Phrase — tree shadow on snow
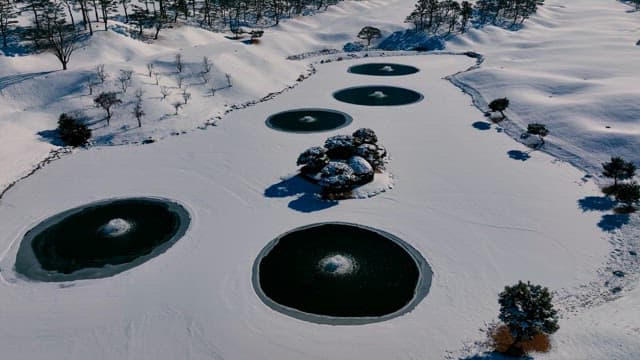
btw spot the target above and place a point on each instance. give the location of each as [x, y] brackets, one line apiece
[612, 222]
[596, 203]
[518, 155]
[51, 136]
[493, 356]
[481, 125]
[307, 199]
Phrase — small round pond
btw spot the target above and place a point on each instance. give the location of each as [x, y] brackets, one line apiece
[378, 95]
[100, 239]
[383, 69]
[308, 120]
[341, 274]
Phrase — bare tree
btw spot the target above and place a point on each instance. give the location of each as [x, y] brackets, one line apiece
[156, 77]
[106, 101]
[150, 69]
[90, 85]
[179, 80]
[213, 91]
[61, 38]
[205, 76]
[186, 96]
[206, 65]
[178, 62]
[138, 94]
[138, 111]
[101, 74]
[177, 105]
[228, 76]
[165, 92]
[125, 79]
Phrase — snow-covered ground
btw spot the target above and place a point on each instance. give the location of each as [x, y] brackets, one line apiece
[481, 219]
[573, 67]
[483, 211]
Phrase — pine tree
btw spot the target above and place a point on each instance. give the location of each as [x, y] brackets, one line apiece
[538, 129]
[72, 132]
[527, 310]
[618, 169]
[369, 33]
[628, 194]
[500, 105]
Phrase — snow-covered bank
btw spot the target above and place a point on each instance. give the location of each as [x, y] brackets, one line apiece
[481, 219]
[572, 67]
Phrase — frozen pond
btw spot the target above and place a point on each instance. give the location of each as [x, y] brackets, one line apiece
[337, 273]
[308, 120]
[378, 95]
[383, 69]
[100, 239]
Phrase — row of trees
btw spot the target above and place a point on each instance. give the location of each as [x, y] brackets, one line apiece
[64, 18]
[437, 16]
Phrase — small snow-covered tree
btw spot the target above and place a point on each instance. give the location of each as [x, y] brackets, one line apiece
[628, 194]
[539, 130]
[375, 154]
[313, 160]
[72, 131]
[337, 177]
[340, 146]
[364, 136]
[179, 81]
[106, 101]
[527, 310]
[618, 169]
[499, 105]
[369, 33]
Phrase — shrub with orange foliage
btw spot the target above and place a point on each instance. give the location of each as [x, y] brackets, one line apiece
[502, 341]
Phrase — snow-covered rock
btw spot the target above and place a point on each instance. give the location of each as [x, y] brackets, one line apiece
[362, 170]
[337, 176]
[375, 154]
[313, 159]
[339, 146]
[364, 136]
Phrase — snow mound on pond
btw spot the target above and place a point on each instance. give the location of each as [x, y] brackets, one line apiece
[115, 228]
[412, 40]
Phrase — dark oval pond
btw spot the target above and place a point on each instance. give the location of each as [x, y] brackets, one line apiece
[341, 274]
[383, 69]
[308, 120]
[378, 95]
[100, 239]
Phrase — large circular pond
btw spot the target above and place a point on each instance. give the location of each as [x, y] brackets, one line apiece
[341, 274]
[383, 69]
[308, 120]
[379, 95]
[100, 239]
